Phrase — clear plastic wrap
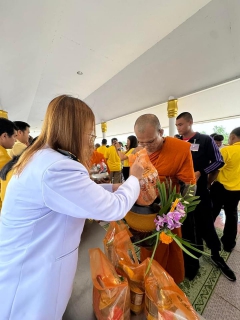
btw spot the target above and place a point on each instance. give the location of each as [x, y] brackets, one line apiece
[135, 276]
[118, 245]
[148, 192]
[163, 298]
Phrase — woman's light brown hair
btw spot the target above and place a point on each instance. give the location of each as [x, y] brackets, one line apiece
[64, 127]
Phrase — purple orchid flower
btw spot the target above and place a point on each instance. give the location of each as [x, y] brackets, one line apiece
[170, 220]
[180, 208]
[159, 222]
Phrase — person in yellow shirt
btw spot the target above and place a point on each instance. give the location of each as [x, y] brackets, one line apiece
[8, 132]
[225, 191]
[6, 174]
[132, 143]
[22, 139]
[113, 162]
[103, 147]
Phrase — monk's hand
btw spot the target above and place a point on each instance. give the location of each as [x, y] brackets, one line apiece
[197, 175]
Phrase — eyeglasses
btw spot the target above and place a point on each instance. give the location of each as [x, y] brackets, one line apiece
[147, 143]
[92, 137]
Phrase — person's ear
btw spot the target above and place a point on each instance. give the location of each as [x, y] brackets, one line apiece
[234, 138]
[231, 138]
[161, 131]
[3, 135]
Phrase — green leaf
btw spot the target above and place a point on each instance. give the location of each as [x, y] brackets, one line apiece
[194, 203]
[190, 209]
[175, 192]
[159, 186]
[166, 208]
[187, 244]
[164, 192]
[184, 249]
[149, 237]
[191, 199]
[153, 254]
[170, 186]
[167, 184]
[183, 218]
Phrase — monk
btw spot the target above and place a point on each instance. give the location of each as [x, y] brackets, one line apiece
[97, 157]
[172, 159]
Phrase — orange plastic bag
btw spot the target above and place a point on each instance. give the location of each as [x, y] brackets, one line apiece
[111, 295]
[120, 250]
[135, 276]
[148, 192]
[163, 298]
[118, 245]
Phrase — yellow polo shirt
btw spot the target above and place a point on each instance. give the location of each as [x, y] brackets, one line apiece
[4, 184]
[17, 149]
[102, 150]
[113, 160]
[126, 162]
[229, 174]
[4, 158]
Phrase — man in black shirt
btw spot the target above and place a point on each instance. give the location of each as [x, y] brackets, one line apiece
[199, 224]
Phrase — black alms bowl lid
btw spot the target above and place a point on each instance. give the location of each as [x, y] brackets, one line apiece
[143, 209]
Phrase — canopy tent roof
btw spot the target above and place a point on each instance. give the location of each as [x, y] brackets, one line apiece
[133, 54]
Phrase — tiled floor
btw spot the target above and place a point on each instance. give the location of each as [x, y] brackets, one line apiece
[219, 223]
[224, 303]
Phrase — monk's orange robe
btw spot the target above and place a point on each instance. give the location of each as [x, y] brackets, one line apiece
[173, 161]
[97, 157]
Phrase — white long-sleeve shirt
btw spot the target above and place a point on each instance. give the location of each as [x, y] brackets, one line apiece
[43, 216]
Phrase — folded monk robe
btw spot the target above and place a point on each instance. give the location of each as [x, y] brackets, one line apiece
[173, 161]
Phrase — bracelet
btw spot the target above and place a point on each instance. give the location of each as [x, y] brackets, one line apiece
[119, 149]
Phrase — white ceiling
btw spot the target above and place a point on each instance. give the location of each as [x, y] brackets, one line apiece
[113, 42]
[219, 103]
[201, 53]
[134, 54]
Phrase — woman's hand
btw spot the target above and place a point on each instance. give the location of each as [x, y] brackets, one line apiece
[137, 169]
[117, 146]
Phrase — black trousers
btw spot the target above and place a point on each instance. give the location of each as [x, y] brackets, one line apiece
[199, 226]
[125, 172]
[229, 199]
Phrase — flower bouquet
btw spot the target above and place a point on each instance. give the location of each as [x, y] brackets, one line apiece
[174, 208]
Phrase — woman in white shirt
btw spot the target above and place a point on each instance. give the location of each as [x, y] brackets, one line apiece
[47, 201]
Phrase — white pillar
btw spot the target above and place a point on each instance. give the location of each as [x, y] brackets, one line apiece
[104, 129]
[172, 127]
[172, 114]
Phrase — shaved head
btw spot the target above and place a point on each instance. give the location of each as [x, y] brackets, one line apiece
[147, 120]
